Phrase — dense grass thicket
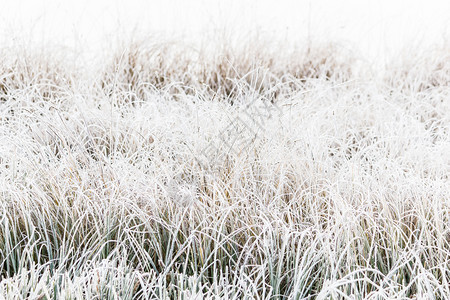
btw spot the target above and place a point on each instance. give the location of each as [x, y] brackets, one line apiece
[224, 171]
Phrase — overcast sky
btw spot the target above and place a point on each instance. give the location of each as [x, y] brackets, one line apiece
[373, 27]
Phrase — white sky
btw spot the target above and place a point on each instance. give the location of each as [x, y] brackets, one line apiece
[376, 28]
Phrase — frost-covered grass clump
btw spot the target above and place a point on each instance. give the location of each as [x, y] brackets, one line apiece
[228, 171]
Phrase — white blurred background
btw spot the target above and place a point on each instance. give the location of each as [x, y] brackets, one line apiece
[375, 28]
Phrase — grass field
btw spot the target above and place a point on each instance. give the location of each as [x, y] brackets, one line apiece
[233, 170]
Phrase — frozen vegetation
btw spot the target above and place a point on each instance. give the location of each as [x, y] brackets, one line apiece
[232, 170]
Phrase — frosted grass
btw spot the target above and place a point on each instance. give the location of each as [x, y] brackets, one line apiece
[106, 191]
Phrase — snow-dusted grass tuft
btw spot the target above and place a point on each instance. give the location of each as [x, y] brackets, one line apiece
[252, 172]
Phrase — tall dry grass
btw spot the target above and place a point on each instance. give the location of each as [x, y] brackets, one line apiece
[340, 193]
